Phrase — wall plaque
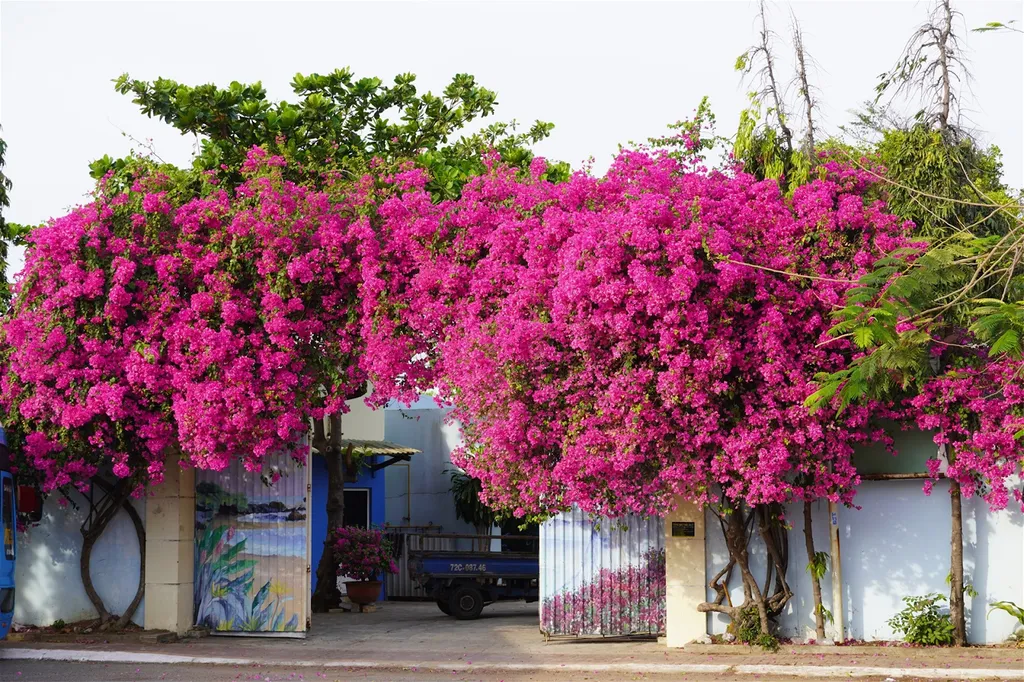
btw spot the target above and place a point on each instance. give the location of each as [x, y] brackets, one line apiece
[684, 529]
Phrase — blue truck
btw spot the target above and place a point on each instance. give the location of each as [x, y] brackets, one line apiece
[462, 583]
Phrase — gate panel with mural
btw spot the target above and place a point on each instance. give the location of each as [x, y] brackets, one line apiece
[252, 550]
[602, 577]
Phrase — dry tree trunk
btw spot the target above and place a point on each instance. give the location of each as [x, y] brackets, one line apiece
[819, 617]
[943, 47]
[772, 84]
[805, 86]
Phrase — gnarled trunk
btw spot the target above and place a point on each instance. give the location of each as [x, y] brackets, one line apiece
[115, 497]
[737, 526]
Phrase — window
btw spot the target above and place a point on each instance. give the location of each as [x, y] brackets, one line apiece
[357, 507]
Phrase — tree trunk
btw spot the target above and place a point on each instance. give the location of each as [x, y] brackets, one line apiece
[819, 617]
[483, 544]
[327, 595]
[956, 568]
[736, 539]
[116, 496]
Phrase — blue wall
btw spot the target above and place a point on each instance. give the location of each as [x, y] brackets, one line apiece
[373, 481]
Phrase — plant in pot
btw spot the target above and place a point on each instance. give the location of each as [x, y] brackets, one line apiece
[363, 554]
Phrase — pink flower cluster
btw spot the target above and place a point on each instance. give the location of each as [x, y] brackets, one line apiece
[612, 342]
[218, 326]
[362, 553]
[609, 342]
[977, 411]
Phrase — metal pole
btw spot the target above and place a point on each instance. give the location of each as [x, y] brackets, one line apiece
[837, 574]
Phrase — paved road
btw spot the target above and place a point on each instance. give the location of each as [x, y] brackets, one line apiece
[46, 671]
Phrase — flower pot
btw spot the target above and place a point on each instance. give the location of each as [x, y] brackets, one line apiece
[364, 592]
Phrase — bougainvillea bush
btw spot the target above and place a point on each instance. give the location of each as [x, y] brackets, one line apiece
[976, 408]
[621, 601]
[159, 318]
[362, 553]
[613, 341]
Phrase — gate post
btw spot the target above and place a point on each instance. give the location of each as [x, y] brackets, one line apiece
[170, 535]
[685, 577]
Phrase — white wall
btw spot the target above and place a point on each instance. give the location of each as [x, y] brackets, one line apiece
[47, 578]
[361, 422]
[427, 498]
[896, 545]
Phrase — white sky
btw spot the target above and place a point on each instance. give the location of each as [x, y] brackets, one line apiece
[604, 72]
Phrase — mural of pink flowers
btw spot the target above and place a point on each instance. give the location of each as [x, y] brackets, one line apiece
[624, 601]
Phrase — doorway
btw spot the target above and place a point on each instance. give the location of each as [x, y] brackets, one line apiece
[357, 508]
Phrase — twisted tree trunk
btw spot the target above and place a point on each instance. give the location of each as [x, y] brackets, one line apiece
[115, 497]
[737, 526]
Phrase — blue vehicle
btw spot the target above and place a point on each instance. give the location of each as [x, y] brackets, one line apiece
[8, 527]
[462, 583]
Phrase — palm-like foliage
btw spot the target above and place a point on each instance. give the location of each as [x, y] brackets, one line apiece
[223, 583]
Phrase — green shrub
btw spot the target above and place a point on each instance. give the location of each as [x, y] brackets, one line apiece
[923, 621]
[748, 630]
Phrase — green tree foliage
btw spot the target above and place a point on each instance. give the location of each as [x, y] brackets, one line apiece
[5, 183]
[338, 121]
[468, 506]
[10, 233]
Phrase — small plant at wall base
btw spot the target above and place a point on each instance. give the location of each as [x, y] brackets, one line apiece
[923, 621]
[1017, 612]
[747, 628]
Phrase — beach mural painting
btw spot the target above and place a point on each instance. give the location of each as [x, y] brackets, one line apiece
[252, 549]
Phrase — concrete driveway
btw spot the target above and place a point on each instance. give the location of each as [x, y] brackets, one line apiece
[403, 640]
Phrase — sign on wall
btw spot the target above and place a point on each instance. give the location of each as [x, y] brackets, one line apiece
[252, 549]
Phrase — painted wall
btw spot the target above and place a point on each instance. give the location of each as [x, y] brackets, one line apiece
[47, 575]
[251, 549]
[895, 545]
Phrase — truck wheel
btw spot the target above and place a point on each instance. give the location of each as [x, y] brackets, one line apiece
[443, 605]
[466, 603]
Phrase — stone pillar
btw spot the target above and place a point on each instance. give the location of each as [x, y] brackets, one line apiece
[170, 534]
[684, 575]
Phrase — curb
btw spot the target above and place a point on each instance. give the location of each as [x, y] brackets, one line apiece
[807, 671]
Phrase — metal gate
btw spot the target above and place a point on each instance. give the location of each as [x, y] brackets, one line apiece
[602, 577]
[252, 549]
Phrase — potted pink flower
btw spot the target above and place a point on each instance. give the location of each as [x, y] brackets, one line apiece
[362, 554]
